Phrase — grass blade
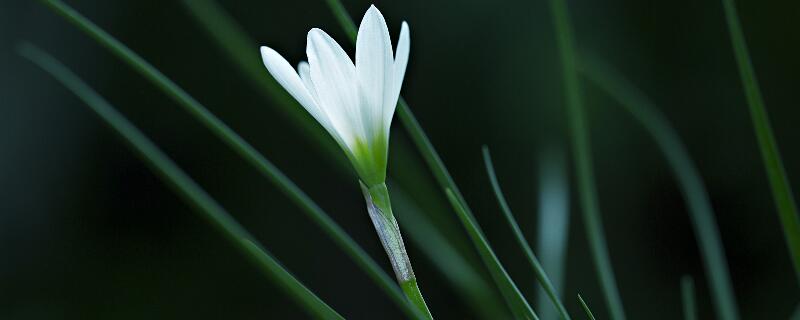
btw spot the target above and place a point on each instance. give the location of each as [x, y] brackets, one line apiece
[689, 181]
[688, 297]
[245, 150]
[512, 222]
[776, 174]
[585, 308]
[193, 194]
[582, 154]
[467, 281]
[553, 224]
[442, 175]
[510, 292]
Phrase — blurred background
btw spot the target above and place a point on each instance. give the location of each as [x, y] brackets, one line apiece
[88, 232]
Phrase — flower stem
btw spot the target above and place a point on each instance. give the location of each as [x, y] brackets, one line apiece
[380, 212]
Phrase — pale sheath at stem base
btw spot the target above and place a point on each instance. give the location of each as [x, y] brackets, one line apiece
[380, 212]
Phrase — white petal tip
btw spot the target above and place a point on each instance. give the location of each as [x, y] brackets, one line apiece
[266, 51]
[373, 10]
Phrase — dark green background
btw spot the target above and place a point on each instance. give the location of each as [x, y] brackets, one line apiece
[87, 232]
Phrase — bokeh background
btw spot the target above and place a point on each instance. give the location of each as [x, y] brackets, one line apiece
[88, 232]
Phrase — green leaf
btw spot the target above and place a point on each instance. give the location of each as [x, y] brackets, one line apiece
[779, 182]
[512, 222]
[692, 188]
[586, 309]
[582, 154]
[192, 193]
[519, 306]
[244, 149]
[689, 301]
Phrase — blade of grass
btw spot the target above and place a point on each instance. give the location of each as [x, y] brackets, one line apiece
[442, 176]
[582, 154]
[245, 150]
[182, 184]
[512, 222]
[687, 295]
[510, 292]
[692, 188]
[553, 224]
[585, 308]
[467, 281]
[776, 174]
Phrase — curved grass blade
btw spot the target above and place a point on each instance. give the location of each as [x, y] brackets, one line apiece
[444, 179]
[688, 298]
[510, 292]
[182, 184]
[585, 308]
[582, 154]
[553, 225]
[512, 222]
[467, 281]
[245, 150]
[778, 180]
[691, 185]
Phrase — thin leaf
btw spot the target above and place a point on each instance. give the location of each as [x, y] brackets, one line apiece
[692, 188]
[553, 225]
[182, 184]
[582, 154]
[689, 301]
[585, 308]
[511, 294]
[245, 150]
[512, 222]
[778, 180]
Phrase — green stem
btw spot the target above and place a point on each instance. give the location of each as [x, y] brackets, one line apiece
[582, 155]
[380, 212]
[510, 292]
[779, 182]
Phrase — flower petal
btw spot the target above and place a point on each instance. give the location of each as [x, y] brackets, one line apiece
[283, 72]
[304, 70]
[399, 72]
[334, 78]
[374, 69]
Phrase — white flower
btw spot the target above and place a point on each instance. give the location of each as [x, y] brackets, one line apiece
[354, 103]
